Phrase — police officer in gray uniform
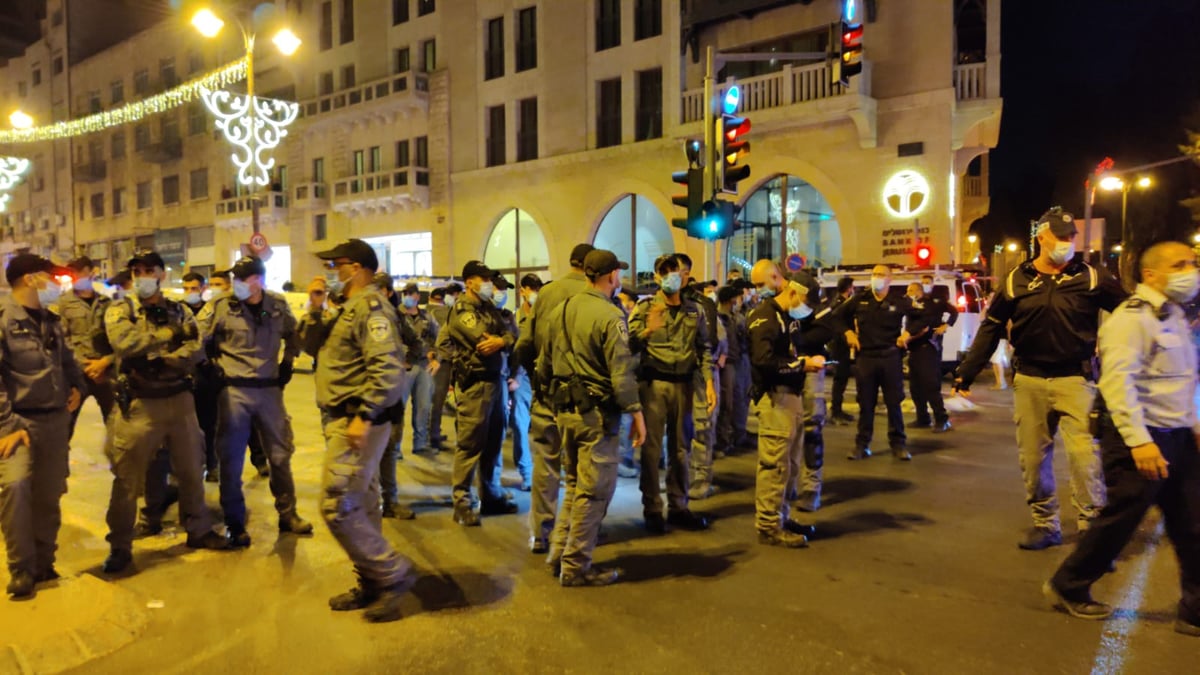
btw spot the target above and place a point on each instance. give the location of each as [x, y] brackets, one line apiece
[1148, 436]
[476, 341]
[592, 383]
[82, 310]
[40, 386]
[244, 331]
[359, 374]
[422, 367]
[440, 302]
[157, 345]
[704, 416]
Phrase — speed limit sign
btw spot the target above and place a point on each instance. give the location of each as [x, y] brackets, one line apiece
[258, 242]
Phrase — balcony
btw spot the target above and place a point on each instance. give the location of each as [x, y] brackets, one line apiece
[974, 186]
[381, 100]
[167, 150]
[978, 106]
[238, 212]
[313, 196]
[90, 172]
[970, 81]
[382, 192]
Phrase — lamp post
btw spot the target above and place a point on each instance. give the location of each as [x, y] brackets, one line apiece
[1113, 183]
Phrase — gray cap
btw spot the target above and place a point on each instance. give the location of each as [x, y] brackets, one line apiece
[1061, 223]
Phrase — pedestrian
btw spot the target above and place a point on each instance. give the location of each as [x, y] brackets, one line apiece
[741, 382]
[878, 327]
[206, 385]
[358, 378]
[157, 345]
[779, 373]
[219, 284]
[925, 356]
[440, 302]
[1148, 436]
[476, 341]
[592, 384]
[521, 386]
[1053, 303]
[544, 437]
[41, 386]
[729, 301]
[82, 311]
[423, 365]
[245, 333]
[702, 431]
[840, 350]
[316, 313]
[513, 375]
[630, 465]
[669, 334]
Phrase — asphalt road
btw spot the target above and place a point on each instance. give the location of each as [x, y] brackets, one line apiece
[915, 570]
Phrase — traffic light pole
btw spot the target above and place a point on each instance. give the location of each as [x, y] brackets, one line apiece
[712, 152]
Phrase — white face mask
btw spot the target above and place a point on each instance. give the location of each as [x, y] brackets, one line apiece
[207, 295]
[501, 299]
[1062, 252]
[146, 287]
[878, 284]
[49, 294]
[531, 299]
[84, 284]
[1182, 286]
[192, 299]
[927, 289]
[241, 289]
[487, 290]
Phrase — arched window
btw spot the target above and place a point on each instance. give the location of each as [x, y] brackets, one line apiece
[811, 226]
[516, 248]
[638, 233]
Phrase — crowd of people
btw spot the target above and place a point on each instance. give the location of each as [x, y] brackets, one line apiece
[594, 381]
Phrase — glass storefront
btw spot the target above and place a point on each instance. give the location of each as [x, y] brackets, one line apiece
[517, 247]
[638, 233]
[405, 255]
[811, 229]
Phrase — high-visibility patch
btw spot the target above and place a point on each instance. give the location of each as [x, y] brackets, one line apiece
[468, 319]
[380, 328]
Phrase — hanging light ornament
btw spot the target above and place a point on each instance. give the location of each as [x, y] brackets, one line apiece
[11, 170]
[255, 126]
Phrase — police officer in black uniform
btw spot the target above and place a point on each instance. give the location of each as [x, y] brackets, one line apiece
[925, 355]
[840, 351]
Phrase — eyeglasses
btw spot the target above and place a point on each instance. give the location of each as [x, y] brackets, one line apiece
[334, 264]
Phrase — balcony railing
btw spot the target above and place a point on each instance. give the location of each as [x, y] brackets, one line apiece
[382, 191]
[970, 81]
[91, 172]
[974, 186]
[167, 150]
[310, 195]
[237, 211]
[789, 86]
[416, 85]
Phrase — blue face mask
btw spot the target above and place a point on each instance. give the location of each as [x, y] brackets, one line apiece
[501, 299]
[766, 292]
[241, 289]
[800, 312]
[409, 302]
[671, 283]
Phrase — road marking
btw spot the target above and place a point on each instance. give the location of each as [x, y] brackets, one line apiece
[1110, 657]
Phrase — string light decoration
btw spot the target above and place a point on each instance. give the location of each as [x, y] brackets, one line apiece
[11, 170]
[255, 126]
[132, 112]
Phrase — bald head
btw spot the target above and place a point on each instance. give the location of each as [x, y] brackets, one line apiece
[1169, 263]
[766, 277]
[881, 279]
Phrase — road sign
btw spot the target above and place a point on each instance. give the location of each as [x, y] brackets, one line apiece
[795, 262]
[258, 242]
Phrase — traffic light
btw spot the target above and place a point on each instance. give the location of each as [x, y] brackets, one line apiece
[693, 178]
[850, 54]
[732, 151]
[717, 220]
[923, 254]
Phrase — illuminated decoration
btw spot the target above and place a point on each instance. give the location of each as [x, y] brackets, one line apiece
[254, 126]
[733, 96]
[132, 112]
[11, 170]
[850, 11]
[905, 194]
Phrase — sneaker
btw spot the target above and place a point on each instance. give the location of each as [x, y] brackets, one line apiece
[688, 520]
[807, 531]
[843, 418]
[783, 538]
[291, 522]
[625, 471]
[594, 576]
[901, 453]
[386, 606]
[526, 485]
[1087, 608]
[1040, 538]
[116, 562]
[809, 502]
[859, 454]
[920, 424]
[539, 545]
[398, 511]
[500, 507]
[466, 516]
[1187, 628]
[147, 528]
[238, 538]
[942, 427]
[359, 597]
[21, 584]
[210, 540]
[212, 476]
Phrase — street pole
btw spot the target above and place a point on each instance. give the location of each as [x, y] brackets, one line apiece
[711, 155]
[248, 41]
[1089, 194]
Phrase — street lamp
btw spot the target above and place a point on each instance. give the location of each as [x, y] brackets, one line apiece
[1012, 247]
[971, 238]
[19, 119]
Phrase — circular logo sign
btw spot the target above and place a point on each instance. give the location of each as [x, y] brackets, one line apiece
[258, 242]
[905, 194]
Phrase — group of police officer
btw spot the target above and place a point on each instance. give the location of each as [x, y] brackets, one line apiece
[585, 374]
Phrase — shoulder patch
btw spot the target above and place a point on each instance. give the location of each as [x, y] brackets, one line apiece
[379, 328]
[1135, 303]
[113, 313]
[757, 322]
[468, 319]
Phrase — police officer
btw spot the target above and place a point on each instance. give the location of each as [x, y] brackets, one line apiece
[878, 327]
[817, 328]
[1053, 303]
[779, 373]
[629, 466]
[513, 374]
[476, 340]
[925, 355]
[82, 310]
[840, 350]
[729, 300]
[702, 431]
[1148, 437]
[157, 345]
[195, 287]
[440, 302]
[245, 331]
[317, 312]
[544, 437]
[358, 378]
[423, 364]
[521, 386]
[669, 334]
[41, 385]
[592, 381]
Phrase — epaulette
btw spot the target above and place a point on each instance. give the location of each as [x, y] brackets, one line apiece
[374, 305]
[1136, 303]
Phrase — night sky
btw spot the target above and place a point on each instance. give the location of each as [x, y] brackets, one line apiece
[1083, 80]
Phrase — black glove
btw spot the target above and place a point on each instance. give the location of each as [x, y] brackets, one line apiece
[286, 370]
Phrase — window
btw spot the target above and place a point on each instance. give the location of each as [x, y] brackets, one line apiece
[166, 73]
[197, 122]
[374, 160]
[527, 133]
[402, 61]
[118, 201]
[647, 19]
[79, 210]
[118, 91]
[22, 89]
[326, 28]
[320, 229]
[399, 16]
[93, 101]
[143, 195]
[195, 62]
[649, 105]
[527, 39]
[281, 179]
[169, 128]
[37, 76]
[429, 56]
[58, 65]
[318, 170]
[56, 18]
[141, 82]
[348, 76]
[98, 205]
[95, 151]
[426, 7]
[346, 22]
[608, 114]
[495, 135]
[401, 154]
[358, 161]
[118, 145]
[141, 137]
[608, 24]
[325, 83]
[198, 184]
[493, 55]
[422, 159]
[170, 189]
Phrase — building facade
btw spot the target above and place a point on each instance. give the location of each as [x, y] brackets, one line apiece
[511, 130]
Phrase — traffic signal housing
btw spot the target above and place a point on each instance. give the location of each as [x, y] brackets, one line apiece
[693, 200]
[733, 151]
[923, 254]
[850, 55]
[717, 220]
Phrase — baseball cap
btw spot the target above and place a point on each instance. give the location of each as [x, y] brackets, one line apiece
[438, 293]
[475, 268]
[501, 281]
[531, 280]
[120, 279]
[600, 261]
[579, 254]
[411, 288]
[728, 293]
[383, 281]
[29, 263]
[1061, 223]
[247, 267]
[81, 263]
[453, 288]
[148, 258]
[354, 250]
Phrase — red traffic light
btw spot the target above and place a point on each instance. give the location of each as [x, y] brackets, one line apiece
[924, 254]
[852, 36]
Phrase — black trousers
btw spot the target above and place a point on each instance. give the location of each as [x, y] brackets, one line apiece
[206, 415]
[840, 352]
[880, 370]
[1130, 495]
[925, 382]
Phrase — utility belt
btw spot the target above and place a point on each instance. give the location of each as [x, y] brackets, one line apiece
[252, 382]
[350, 408]
[757, 392]
[572, 395]
[1086, 369]
[470, 379]
[652, 374]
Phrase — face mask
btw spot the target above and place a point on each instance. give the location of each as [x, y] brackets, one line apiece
[487, 290]
[765, 292]
[800, 312]
[927, 288]
[146, 287]
[207, 295]
[193, 299]
[409, 302]
[531, 299]
[501, 300]
[671, 283]
[878, 284]
[49, 295]
[333, 284]
[451, 299]
[241, 289]
[616, 288]
[1062, 253]
[1182, 286]
[82, 284]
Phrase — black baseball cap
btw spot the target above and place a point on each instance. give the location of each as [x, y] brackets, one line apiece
[438, 293]
[728, 294]
[579, 254]
[1060, 222]
[148, 258]
[354, 250]
[531, 280]
[501, 281]
[475, 268]
[453, 288]
[29, 263]
[81, 263]
[120, 279]
[411, 288]
[247, 267]
[599, 262]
